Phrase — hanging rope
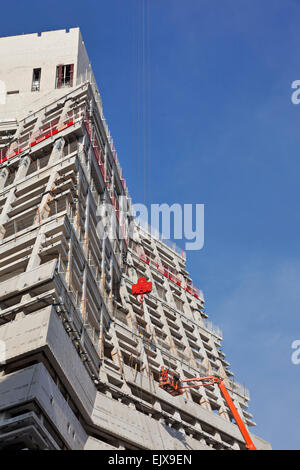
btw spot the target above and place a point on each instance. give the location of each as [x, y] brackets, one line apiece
[141, 102]
[148, 54]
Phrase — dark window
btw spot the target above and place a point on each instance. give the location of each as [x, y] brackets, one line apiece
[36, 79]
[64, 75]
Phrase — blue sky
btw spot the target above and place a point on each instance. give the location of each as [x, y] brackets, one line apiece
[221, 130]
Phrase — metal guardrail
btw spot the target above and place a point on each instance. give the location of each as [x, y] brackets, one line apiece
[172, 275]
[156, 234]
[213, 328]
[239, 389]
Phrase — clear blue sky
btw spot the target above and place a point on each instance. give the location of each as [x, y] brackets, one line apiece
[224, 133]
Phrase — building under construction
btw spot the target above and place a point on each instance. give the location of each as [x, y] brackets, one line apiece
[80, 354]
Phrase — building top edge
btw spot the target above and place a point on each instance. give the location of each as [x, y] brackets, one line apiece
[76, 29]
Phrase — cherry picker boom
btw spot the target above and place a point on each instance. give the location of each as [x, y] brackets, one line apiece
[171, 383]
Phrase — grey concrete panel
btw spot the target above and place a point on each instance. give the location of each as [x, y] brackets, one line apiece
[35, 383]
[95, 444]
[43, 329]
[22, 282]
[117, 418]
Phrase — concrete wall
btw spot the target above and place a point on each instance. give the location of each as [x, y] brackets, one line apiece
[48, 263]
[43, 329]
[84, 68]
[35, 384]
[19, 55]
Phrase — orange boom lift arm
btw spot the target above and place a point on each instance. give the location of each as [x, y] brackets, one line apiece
[171, 383]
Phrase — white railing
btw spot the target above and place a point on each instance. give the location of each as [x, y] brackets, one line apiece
[213, 328]
[156, 234]
[239, 389]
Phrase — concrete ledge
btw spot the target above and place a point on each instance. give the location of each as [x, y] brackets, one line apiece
[133, 426]
[30, 279]
[43, 330]
[35, 384]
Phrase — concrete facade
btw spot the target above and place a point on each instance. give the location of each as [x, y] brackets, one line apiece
[81, 354]
[20, 55]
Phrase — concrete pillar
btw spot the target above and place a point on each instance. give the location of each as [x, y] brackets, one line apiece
[223, 412]
[205, 403]
[3, 178]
